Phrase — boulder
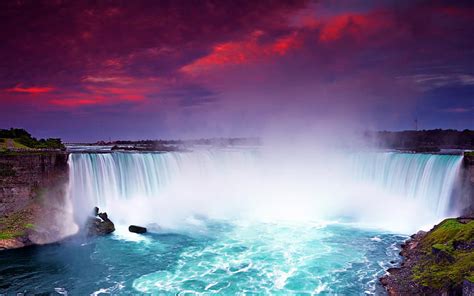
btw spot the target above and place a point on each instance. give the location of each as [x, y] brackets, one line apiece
[136, 229]
[99, 224]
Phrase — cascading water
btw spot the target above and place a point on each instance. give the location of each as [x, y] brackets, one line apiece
[428, 178]
[166, 187]
[140, 186]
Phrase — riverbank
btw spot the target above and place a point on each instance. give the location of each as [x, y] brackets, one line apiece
[437, 262]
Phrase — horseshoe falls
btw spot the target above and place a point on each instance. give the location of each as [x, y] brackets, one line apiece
[242, 221]
[168, 188]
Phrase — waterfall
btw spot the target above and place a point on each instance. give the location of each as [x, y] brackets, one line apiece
[424, 177]
[166, 187]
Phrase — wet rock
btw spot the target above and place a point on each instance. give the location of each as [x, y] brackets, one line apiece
[103, 216]
[398, 280]
[137, 229]
[100, 224]
[463, 245]
[14, 243]
[467, 288]
[465, 219]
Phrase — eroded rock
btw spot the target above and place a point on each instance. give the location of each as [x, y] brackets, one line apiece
[99, 224]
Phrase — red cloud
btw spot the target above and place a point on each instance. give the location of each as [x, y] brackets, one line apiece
[359, 27]
[285, 44]
[356, 26]
[103, 95]
[240, 52]
[30, 90]
[75, 102]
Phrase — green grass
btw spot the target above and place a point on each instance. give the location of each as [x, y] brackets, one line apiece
[16, 224]
[17, 145]
[447, 232]
[9, 235]
[470, 153]
[432, 273]
[29, 226]
[441, 275]
[442, 247]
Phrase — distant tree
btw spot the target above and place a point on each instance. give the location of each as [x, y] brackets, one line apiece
[424, 139]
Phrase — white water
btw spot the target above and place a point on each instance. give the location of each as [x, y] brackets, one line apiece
[394, 191]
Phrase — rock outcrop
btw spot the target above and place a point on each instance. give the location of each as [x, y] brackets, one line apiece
[438, 262]
[137, 229]
[99, 224]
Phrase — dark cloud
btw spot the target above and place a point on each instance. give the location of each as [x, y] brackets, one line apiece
[190, 95]
[60, 41]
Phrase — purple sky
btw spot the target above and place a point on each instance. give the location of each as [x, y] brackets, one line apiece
[171, 69]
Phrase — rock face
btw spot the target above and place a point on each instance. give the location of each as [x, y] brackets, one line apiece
[137, 229]
[100, 224]
[468, 288]
[467, 184]
[33, 204]
[22, 175]
[438, 262]
[399, 280]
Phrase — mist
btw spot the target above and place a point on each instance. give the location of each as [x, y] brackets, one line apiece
[291, 179]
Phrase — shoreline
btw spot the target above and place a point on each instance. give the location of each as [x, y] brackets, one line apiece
[437, 262]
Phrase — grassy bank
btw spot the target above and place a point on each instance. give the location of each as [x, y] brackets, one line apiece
[448, 255]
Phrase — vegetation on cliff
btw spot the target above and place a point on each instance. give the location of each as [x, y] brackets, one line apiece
[16, 224]
[448, 255]
[15, 138]
[439, 261]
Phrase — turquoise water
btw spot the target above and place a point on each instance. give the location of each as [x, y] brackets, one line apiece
[219, 257]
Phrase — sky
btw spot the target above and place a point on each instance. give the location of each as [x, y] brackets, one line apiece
[87, 71]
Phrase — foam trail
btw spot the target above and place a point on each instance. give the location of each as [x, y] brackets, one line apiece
[397, 191]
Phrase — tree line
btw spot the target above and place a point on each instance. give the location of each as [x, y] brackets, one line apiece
[25, 138]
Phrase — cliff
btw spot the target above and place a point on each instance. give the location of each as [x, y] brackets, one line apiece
[467, 184]
[33, 204]
[438, 262]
